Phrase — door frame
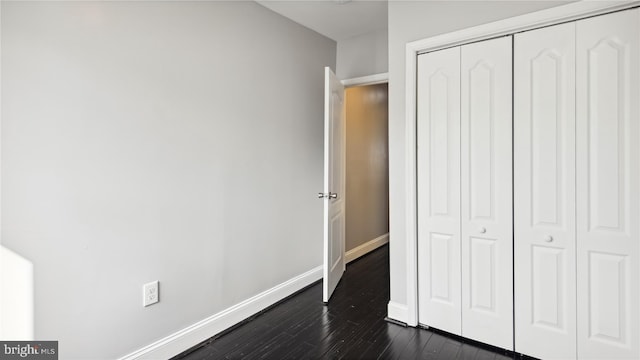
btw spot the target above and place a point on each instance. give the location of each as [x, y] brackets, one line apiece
[509, 26]
[375, 79]
[380, 78]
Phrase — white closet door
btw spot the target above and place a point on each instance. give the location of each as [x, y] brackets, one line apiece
[544, 192]
[486, 195]
[439, 189]
[608, 185]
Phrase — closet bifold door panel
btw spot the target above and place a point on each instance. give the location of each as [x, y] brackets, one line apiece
[544, 192]
[438, 131]
[608, 185]
[528, 188]
[486, 192]
[465, 229]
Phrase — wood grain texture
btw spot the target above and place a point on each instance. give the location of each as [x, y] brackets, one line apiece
[352, 326]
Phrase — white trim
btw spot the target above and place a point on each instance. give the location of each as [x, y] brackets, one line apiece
[192, 335]
[367, 80]
[397, 311]
[555, 15]
[366, 248]
[538, 19]
[411, 190]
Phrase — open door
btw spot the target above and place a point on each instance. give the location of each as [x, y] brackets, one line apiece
[334, 184]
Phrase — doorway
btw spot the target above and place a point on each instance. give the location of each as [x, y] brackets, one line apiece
[367, 169]
[356, 167]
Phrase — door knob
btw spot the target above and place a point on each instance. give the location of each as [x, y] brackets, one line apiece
[482, 230]
[548, 238]
[328, 196]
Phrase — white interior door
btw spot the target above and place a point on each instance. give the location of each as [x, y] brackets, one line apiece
[334, 184]
[544, 191]
[486, 196]
[439, 190]
[608, 185]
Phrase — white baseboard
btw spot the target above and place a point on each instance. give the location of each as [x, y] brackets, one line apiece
[186, 338]
[366, 247]
[398, 312]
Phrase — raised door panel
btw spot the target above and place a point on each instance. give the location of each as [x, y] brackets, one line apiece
[439, 189]
[608, 185]
[544, 192]
[486, 196]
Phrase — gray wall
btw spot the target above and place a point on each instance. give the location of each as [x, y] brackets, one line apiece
[363, 55]
[367, 198]
[170, 141]
[410, 21]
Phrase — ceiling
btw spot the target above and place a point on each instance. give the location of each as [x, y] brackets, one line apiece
[335, 19]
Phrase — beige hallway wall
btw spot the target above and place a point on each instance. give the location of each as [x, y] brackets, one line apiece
[367, 202]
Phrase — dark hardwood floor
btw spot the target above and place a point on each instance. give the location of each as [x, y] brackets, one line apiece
[352, 326]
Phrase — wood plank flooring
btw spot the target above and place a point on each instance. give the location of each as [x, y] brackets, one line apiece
[352, 326]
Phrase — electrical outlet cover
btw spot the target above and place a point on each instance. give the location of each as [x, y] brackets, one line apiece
[150, 293]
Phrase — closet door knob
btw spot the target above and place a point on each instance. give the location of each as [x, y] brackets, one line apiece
[548, 238]
[482, 230]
